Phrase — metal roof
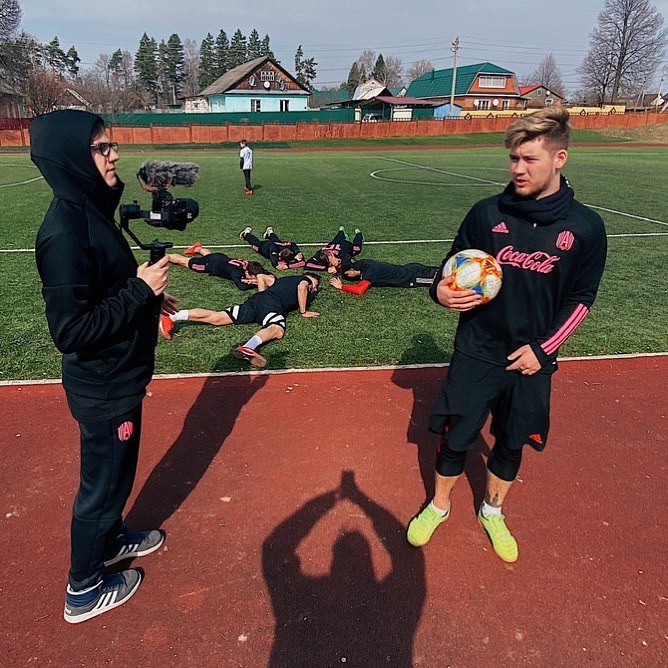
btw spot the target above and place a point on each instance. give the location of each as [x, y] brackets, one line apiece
[438, 83]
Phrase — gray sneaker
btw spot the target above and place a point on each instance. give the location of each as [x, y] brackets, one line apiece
[113, 590]
[268, 232]
[129, 544]
[244, 232]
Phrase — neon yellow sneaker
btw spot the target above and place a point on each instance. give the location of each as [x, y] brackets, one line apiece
[422, 527]
[502, 540]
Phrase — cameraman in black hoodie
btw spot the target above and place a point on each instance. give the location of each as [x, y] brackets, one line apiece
[102, 311]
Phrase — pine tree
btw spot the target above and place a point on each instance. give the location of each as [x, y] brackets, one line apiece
[266, 49]
[55, 56]
[146, 66]
[207, 59]
[299, 71]
[304, 69]
[254, 45]
[353, 80]
[238, 49]
[72, 61]
[221, 55]
[379, 72]
[175, 67]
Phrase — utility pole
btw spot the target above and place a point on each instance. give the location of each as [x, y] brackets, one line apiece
[455, 50]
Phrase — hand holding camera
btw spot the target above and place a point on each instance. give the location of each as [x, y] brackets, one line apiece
[156, 276]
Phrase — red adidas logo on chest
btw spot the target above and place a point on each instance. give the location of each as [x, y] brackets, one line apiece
[501, 228]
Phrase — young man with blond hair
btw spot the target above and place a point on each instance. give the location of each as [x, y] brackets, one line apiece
[552, 250]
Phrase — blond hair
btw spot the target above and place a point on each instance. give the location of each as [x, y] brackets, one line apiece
[551, 123]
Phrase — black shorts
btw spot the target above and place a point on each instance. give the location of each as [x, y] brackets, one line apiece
[215, 264]
[259, 312]
[520, 405]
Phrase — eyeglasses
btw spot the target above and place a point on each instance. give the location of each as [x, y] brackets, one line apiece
[105, 147]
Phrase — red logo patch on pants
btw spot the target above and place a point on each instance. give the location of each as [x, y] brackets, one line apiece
[125, 431]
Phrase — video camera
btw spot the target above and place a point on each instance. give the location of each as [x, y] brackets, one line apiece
[172, 213]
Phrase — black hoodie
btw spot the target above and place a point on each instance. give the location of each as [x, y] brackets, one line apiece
[101, 316]
[552, 251]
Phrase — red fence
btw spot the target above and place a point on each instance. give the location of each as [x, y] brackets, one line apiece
[205, 134]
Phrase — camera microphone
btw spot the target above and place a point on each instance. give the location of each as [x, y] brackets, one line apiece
[161, 175]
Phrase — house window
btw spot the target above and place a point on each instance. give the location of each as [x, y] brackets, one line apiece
[483, 104]
[505, 104]
[539, 92]
[266, 75]
[285, 105]
[548, 102]
[492, 82]
[255, 105]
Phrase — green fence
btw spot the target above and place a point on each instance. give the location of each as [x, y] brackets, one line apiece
[250, 118]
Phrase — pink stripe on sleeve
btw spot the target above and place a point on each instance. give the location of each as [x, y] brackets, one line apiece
[552, 344]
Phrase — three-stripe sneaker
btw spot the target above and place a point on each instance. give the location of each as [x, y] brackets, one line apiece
[113, 590]
[130, 544]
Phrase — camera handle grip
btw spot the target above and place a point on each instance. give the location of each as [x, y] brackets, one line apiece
[157, 250]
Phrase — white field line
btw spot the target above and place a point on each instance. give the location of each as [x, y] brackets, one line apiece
[21, 183]
[400, 242]
[496, 183]
[282, 372]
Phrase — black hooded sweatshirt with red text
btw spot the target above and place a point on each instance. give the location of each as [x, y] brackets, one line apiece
[552, 251]
[100, 315]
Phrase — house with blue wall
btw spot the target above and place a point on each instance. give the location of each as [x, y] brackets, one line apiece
[256, 86]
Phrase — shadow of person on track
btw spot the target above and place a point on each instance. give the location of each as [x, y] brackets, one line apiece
[422, 349]
[347, 616]
[209, 422]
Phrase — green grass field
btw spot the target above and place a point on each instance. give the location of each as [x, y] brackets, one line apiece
[413, 195]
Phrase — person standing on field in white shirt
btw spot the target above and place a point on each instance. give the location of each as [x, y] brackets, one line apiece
[246, 164]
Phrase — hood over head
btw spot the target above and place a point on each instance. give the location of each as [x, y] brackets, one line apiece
[60, 148]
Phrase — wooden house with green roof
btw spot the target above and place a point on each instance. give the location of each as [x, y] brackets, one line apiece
[479, 87]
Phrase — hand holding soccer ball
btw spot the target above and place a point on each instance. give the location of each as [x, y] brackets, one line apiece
[470, 277]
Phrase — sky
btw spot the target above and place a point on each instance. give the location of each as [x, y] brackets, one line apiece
[516, 34]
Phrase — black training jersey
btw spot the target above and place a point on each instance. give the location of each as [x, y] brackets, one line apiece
[384, 274]
[282, 295]
[552, 252]
[222, 266]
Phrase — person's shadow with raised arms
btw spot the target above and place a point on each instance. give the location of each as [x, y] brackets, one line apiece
[346, 616]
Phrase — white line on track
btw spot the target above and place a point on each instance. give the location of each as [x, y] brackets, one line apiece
[281, 372]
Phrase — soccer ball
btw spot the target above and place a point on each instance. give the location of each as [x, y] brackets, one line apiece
[476, 270]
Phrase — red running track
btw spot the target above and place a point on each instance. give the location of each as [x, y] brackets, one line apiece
[272, 560]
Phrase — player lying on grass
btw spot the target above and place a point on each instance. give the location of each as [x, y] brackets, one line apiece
[383, 275]
[339, 250]
[269, 309]
[552, 250]
[245, 274]
[282, 254]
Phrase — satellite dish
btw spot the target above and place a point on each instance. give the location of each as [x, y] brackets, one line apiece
[495, 102]
[547, 92]
[267, 85]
